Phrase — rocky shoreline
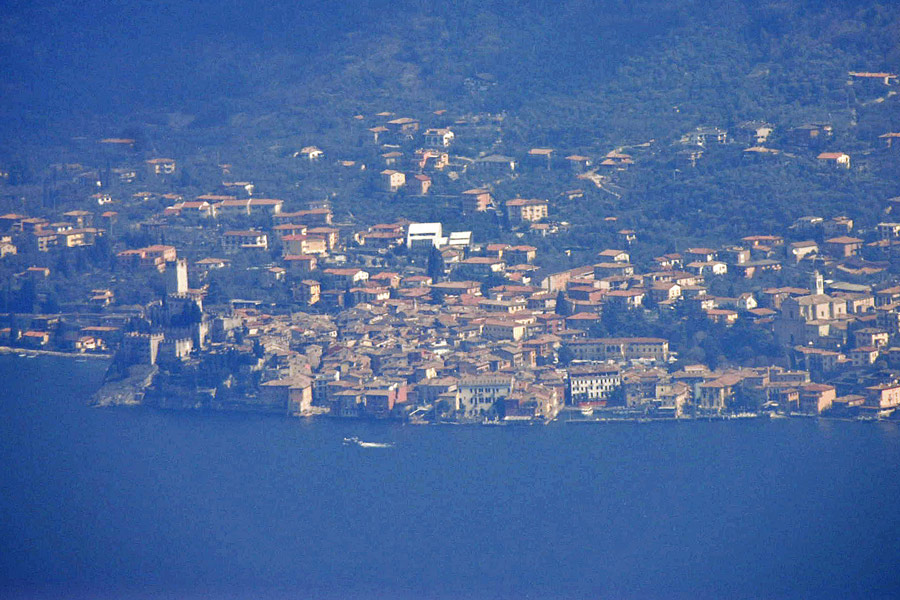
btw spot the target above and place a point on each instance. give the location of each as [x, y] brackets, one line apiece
[128, 391]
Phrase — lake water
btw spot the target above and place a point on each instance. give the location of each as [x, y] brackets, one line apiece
[137, 503]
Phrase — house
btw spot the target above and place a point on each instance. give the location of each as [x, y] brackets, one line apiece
[210, 264]
[588, 384]
[754, 133]
[800, 250]
[271, 206]
[837, 160]
[688, 157]
[885, 78]
[746, 301]
[616, 159]
[44, 240]
[392, 158]
[816, 398]
[863, 356]
[716, 394]
[712, 267]
[233, 241]
[503, 329]
[612, 269]
[722, 316]
[759, 241]
[303, 244]
[392, 180]
[377, 132]
[430, 160]
[307, 292]
[521, 210]
[810, 133]
[475, 200]
[871, 336]
[292, 395]
[155, 256]
[290, 229]
[300, 262]
[331, 235]
[578, 162]
[344, 278]
[195, 210]
[733, 255]
[619, 256]
[404, 126]
[843, 246]
[438, 138]
[633, 298]
[160, 166]
[663, 292]
[35, 339]
[705, 136]
[478, 394]
[387, 279]
[523, 254]
[479, 267]
[891, 140]
[82, 218]
[885, 395]
[453, 288]
[496, 163]
[839, 225]
[309, 153]
[542, 157]
[228, 207]
[626, 237]
[246, 187]
[669, 262]
[619, 349]
[421, 184]
[699, 254]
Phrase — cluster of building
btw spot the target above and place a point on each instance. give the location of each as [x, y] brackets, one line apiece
[409, 320]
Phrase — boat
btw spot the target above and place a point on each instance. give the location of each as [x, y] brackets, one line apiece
[355, 441]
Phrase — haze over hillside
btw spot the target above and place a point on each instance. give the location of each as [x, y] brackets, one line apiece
[257, 81]
[605, 63]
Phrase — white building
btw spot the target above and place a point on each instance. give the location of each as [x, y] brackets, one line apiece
[438, 138]
[592, 383]
[424, 236]
[480, 393]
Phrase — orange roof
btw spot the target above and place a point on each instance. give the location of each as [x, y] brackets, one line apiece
[524, 202]
[868, 74]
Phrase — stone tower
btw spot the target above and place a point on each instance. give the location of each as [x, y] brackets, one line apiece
[817, 283]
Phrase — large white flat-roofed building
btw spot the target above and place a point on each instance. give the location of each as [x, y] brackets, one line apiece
[424, 236]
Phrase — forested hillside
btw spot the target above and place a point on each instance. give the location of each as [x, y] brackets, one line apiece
[257, 79]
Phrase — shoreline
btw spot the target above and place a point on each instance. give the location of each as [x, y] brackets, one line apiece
[36, 352]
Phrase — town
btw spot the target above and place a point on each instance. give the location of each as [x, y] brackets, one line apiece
[456, 283]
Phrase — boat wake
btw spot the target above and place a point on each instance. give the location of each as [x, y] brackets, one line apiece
[355, 441]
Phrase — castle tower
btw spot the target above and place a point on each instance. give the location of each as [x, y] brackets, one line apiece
[177, 277]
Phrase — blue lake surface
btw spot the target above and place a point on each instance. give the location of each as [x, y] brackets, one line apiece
[138, 503]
